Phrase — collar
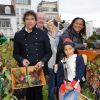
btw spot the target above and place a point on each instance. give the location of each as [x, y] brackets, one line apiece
[66, 58]
[25, 29]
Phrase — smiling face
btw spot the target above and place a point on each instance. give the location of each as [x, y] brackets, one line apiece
[78, 25]
[40, 19]
[30, 21]
[68, 50]
[50, 25]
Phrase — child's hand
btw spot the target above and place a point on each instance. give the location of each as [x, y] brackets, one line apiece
[63, 87]
[68, 87]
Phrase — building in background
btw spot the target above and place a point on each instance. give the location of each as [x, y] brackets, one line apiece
[7, 20]
[89, 28]
[98, 31]
[21, 6]
[51, 9]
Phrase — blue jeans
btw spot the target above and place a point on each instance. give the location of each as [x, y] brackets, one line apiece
[51, 84]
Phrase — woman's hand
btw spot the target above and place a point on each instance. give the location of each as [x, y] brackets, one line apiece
[55, 68]
[53, 31]
[68, 87]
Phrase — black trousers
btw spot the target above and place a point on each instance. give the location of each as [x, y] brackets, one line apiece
[34, 93]
[20, 93]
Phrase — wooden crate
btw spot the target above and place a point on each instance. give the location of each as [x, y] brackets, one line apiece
[82, 97]
[34, 77]
[91, 54]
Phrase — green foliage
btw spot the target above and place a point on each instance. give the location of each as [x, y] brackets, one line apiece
[7, 93]
[45, 92]
[92, 76]
[6, 55]
[88, 93]
[7, 62]
[93, 38]
[91, 41]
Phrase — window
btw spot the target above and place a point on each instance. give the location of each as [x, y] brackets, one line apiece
[22, 22]
[16, 1]
[54, 9]
[22, 1]
[5, 23]
[22, 11]
[7, 10]
[44, 9]
[17, 11]
[26, 10]
[50, 9]
[17, 29]
[17, 20]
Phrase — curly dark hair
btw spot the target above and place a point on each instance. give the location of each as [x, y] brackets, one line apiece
[83, 31]
[29, 12]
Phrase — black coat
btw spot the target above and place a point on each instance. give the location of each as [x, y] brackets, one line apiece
[34, 46]
[77, 38]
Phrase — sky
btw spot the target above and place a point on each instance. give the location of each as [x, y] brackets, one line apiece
[69, 9]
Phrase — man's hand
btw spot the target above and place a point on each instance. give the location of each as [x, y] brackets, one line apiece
[55, 68]
[25, 62]
[39, 65]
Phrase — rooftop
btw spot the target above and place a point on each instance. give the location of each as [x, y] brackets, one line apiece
[9, 10]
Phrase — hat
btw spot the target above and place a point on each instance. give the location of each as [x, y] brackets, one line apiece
[68, 41]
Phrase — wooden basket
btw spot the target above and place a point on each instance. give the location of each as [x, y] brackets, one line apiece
[91, 54]
[34, 77]
[82, 97]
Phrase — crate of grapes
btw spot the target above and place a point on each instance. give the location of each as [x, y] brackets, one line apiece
[23, 77]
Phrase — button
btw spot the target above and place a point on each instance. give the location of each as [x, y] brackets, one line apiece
[37, 60]
[27, 55]
[36, 49]
[37, 54]
[26, 49]
[36, 43]
[25, 39]
[36, 38]
[24, 34]
[26, 44]
[36, 33]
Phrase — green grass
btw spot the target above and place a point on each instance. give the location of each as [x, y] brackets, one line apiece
[45, 92]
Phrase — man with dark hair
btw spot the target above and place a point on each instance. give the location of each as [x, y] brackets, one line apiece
[32, 47]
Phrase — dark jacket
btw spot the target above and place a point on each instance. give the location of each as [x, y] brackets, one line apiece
[80, 66]
[77, 38]
[34, 46]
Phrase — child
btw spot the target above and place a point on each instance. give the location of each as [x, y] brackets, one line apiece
[70, 69]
